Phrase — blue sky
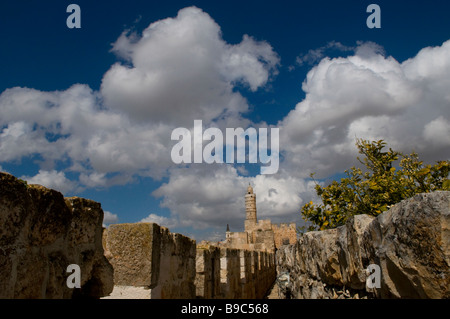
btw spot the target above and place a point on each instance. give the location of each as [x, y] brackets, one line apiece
[90, 111]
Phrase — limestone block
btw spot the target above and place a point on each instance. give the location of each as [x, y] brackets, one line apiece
[230, 273]
[284, 234]
[350, 242]
[177, 267]
[37, 243]
[413, 252]
[15, 208]
[134, 252]
[207, 280]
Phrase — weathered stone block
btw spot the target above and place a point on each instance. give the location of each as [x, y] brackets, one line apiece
[230, 273]
[177, 267]
[15, 208]
[207, 280]
[37, 243]
[414, 247]
[134, 252]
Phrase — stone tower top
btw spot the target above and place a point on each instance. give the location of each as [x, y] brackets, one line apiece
[250, 208]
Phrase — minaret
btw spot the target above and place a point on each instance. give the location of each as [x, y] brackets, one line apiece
[250, 209]
[228, 234]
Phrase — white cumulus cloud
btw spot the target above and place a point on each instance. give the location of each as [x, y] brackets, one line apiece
[52, 179]
[162, 221]
[368, 95]
[180, 69]
[213, 196]
[109, 218]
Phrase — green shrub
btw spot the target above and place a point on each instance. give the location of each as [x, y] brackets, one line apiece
[375, 189]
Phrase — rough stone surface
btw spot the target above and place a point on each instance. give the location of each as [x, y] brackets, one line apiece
[133, 251]
[207, 279]
[177, 267]
[230, 273]
[412, 246]
[284, 234]
[41, 234]
[410, 243]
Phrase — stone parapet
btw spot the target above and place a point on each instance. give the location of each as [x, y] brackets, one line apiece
[207, 279]
[409, 245]
[41, 235]
[243, 274]
[172, 266]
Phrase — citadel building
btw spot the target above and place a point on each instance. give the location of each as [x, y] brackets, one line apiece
[259, 234]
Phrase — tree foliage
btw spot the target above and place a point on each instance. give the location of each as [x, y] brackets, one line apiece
[377, 187]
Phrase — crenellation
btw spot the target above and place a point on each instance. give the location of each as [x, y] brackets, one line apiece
[142, 256]
[167, 265]
[173, 266]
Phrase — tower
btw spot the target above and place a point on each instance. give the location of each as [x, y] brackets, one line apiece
[250, 209]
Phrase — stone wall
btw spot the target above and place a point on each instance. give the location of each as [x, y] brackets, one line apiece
[41, 234]
[238, 239]
[284, 234]
[262, 236]
[243, 274]
[410, 243]
[172, 266]
[148, 255]
[207, 279]
[230, 271]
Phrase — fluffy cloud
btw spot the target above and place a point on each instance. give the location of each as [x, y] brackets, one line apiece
[162, 221]
[72, 126]
[437, 132]
[365, 95]
[315, 55]
[368, 95]
[180, 69]
[109, 218]
[213, 196]
[203, 196]
[52, 179]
